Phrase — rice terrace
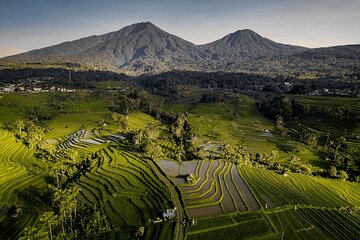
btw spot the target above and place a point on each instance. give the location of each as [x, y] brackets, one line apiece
[140, 134]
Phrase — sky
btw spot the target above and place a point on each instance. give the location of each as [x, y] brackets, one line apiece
[32, 24]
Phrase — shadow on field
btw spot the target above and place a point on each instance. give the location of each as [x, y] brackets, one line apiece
[32, 196]
[320, 163]
[286, 147]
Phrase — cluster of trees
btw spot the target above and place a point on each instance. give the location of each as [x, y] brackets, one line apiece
[139, 100]
[165, 84]
[338, 113]
[147, 141]
[184, 139]
[29, 133]
[290, 109]
[38, 115]
[283, 106]
[334, 173]
[215, 97]
[67, 163]
[66, 217]
[333, 151]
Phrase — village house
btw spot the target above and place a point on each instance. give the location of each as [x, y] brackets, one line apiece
[169, 214]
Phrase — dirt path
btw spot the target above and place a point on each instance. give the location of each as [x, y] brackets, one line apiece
[175, 198]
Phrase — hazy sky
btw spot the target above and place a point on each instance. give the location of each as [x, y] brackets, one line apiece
[31, 24]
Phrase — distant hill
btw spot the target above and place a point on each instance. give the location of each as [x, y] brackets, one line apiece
[145, 48]
[248, 44]
[350, 52]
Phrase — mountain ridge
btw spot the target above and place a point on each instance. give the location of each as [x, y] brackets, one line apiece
[145, 48]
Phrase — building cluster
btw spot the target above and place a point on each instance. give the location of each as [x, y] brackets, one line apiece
[10, 88]
[336, 92]
[36, 85]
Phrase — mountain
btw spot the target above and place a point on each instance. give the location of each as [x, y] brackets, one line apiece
[145, 48]
[138, 46]
[248, 44]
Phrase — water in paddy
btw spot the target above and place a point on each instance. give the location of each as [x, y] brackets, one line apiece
[170, 167]
[220, 186]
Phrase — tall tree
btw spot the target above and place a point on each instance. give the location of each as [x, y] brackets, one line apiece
[51, 219]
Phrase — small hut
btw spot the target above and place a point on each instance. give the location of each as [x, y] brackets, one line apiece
[169, 214]
[15, 212]
[140, 232]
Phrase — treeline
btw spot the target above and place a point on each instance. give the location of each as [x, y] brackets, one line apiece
[59, 76]
[166, 83]
[290, 109]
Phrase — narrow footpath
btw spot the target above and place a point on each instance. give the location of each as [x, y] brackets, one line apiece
[175, 198]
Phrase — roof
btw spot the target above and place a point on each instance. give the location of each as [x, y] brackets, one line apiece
[169, 213]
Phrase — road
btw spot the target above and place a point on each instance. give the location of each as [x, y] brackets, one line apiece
[175, 198]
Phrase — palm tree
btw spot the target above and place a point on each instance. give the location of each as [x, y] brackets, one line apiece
[51, 219]
[58, 170]
[20, 125]
[75, 190]
[29, 233]
[34, 234]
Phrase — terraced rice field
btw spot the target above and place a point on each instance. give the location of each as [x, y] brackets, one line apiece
[125, 187]
[296, 189]
[83, 138]
[280, 223]
[219, 189]
[335, 128]
[121, 184]
[239, 226]
[323, 125]
[20, 179]
[139, 120]
[316, 223]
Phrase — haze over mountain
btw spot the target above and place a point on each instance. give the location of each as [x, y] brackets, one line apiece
[145, 48]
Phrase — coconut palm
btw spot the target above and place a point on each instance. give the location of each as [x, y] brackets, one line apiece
[51, 219]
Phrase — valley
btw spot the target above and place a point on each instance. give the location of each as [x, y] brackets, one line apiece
[236, 173]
